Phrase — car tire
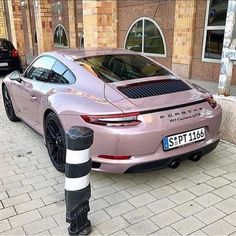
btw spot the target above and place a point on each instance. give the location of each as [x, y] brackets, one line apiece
[55, 141]
[8, 105]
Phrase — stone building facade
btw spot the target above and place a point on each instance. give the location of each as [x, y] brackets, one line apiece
[186, 36]
[3, 27]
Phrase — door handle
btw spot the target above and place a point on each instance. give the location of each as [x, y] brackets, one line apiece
[33, 98]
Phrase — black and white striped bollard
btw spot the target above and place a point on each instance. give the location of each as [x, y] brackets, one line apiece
[77, 185]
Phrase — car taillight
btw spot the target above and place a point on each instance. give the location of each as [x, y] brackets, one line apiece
[126, 119]
[212, 102]
[15, 53]
[115, 157]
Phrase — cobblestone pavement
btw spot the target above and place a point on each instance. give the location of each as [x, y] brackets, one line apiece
[196, 198]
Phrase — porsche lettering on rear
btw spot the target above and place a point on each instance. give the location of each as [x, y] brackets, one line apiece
[177, 114]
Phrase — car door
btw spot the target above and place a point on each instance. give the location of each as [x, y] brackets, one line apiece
[29, 90]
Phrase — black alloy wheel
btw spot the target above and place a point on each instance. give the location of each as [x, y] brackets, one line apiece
[55, 141]
[8, 105]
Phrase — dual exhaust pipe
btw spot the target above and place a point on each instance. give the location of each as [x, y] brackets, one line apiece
[175, 163]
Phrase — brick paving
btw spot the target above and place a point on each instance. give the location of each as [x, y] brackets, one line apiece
[196, 198]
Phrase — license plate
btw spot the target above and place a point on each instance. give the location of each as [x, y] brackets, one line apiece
[3, 64]
[178, 140]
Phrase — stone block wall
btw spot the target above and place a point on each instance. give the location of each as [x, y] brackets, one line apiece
[79, 21]
[3, 28]
[72, 24]
[100, 23]
[43, 20]
[185, 12]
[16, 27]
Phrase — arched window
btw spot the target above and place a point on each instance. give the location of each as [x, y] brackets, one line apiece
[60, 37]
[145, 36]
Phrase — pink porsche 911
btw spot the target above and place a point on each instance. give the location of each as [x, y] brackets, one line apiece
[143, 116]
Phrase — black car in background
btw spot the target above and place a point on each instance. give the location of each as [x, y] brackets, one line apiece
[9, 56]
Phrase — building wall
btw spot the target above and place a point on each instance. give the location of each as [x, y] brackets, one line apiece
[185, 12]
[69, 15]
[200, 69]
[105, 23]
[72, 23]
[79, 21]
[17, 27]
[60, 15]
[3, 26]
[31, 13]
[99, 23]
[160, 11]
[43, 20]
[163, 12]
[28, 33]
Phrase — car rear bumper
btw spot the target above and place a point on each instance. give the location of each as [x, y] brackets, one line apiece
[155, 161]
[11, 64]
[159, 164]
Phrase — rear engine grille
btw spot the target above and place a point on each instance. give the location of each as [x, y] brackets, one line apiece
[154, 88]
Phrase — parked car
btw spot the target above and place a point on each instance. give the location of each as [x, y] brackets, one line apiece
[143, 116]
[9, 56]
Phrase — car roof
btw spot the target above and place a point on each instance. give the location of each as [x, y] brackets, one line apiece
[76, 54]
[4, 39]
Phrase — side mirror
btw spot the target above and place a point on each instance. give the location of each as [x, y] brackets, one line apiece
[15, 75]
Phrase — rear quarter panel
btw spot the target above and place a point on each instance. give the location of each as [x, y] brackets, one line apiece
[85, 96]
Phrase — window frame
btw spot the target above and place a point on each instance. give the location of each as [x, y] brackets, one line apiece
[46, 55]
[206, 28]
[99, 75]
[67, 69]
[32, 63]
[59, 45]
[143, 26]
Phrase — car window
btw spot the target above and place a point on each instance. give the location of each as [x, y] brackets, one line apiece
[68, 76]
[60, 74]
[40, 69]
[59, 68]
[5, 45]
[113, 68]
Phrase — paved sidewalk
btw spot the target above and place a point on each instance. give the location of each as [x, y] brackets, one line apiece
[196, 198]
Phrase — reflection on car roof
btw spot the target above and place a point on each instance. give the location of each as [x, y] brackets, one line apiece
[75, 54]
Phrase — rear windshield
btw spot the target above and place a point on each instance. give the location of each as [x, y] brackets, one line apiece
[113, 68]
[5, 45]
